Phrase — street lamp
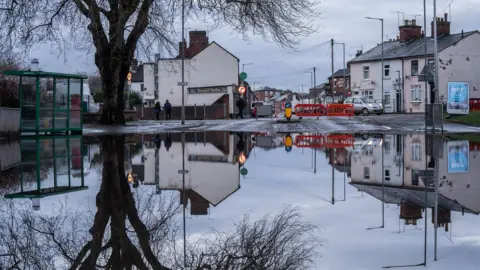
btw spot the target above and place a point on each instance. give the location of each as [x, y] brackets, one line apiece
[381, 70]
[246, 92]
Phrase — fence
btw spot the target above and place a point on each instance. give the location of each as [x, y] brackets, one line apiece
[196, 112]
[9, 120]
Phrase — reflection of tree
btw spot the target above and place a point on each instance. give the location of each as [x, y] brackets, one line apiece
[284, 242]
[140, 231]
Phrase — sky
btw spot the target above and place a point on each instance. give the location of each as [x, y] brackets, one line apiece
[342, 20]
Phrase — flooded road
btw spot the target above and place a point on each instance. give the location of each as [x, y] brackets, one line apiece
[223, 200]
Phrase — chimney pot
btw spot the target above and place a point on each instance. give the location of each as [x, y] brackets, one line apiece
[414, 22]
[446, 17]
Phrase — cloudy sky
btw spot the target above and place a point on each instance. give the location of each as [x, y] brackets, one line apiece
[342, 20]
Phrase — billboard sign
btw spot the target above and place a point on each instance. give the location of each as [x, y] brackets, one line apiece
[458, 98]
[458, 156]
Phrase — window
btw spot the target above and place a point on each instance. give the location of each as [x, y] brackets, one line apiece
[387, 175]
[431, 63]
[386, 71]
[357, 101]
[366, 173]
[366, 72]
[416, 91]
[387, 147]
[368, 94]
[387, 99]
[348, 101]
[142, 87]
[415, 68]
[416, 152]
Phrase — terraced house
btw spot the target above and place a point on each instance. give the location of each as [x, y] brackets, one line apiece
[404, 71]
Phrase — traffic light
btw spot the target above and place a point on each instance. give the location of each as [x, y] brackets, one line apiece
[288, 143]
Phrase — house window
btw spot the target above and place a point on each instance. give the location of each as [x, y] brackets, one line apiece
[415, 68]
[142, 87]
[366, 73]
[368, 94]
[416, 152]
[387, 100]
[366, 173]
[386, 71]
[388, 147]
[387, 175]
[416, 91]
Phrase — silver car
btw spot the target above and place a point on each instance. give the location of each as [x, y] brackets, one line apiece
[362, 105]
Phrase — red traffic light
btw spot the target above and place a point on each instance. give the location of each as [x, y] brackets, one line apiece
[241, 89]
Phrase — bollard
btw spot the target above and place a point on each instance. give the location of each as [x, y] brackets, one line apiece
[288, 110]
[195, 111]
[224, 111]
[288, 143]
[204, 112]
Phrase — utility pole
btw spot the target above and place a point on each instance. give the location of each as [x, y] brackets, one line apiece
[315, 97]
[182, 55]
[332, 84]
[435, 48]
[344, 68]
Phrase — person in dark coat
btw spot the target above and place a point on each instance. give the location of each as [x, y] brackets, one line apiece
[240, 106]
[157, 109]
[168, 110]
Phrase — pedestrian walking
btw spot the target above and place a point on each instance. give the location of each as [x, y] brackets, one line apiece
[240, 106]
[168, 110]
[157, 109]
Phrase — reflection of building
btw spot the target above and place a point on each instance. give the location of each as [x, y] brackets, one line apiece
[211, 169]
[408, 189]
[366, 162]
[462, 187]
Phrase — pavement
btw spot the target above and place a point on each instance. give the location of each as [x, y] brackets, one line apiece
[387, 124]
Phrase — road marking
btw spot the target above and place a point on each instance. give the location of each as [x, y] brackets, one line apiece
[385, 127]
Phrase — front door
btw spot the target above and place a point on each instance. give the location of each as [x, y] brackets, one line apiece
[398, 102]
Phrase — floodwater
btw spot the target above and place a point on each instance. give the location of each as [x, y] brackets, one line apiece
[221, 200]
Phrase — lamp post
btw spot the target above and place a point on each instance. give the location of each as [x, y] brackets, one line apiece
[246, 92]
[381, 70]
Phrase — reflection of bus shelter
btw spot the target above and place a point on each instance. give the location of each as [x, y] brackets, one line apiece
[50, 102]
[51, 162]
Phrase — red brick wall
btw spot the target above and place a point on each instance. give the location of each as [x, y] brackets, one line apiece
[408, 32]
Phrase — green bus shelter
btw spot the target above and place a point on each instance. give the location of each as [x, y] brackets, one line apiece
[50, 165]
[50, 103]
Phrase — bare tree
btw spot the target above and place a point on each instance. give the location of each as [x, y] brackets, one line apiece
[119, 28]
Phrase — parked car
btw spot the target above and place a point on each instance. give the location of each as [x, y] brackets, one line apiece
[361, 105]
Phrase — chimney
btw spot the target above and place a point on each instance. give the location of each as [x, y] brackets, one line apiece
[410, 30]
[410, 213]
[443, 26]
[359, 52]
[198, 42]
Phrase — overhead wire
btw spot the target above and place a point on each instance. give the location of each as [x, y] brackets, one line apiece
[293, 54]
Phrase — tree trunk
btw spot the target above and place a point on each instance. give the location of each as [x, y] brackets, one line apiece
[113, 104]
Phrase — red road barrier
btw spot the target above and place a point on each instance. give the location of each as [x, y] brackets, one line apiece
[340, 110]
[475, 146]
[474, 105]
[309, 141]
[339, 141]
[310, 110]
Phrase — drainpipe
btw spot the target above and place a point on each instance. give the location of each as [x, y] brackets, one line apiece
[402, 81]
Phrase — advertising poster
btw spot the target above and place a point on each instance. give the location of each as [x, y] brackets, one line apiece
[458, 98]
[458, 156]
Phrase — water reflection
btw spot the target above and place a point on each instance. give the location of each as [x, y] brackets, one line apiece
[152, 200]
